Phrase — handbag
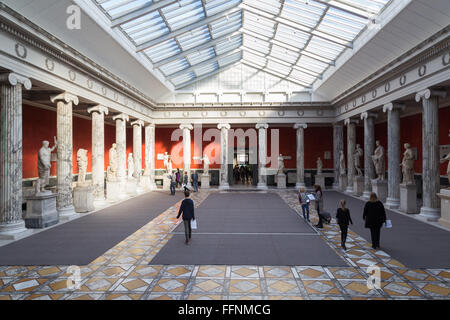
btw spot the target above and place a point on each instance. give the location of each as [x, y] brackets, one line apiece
[388, 224]
[193, 224]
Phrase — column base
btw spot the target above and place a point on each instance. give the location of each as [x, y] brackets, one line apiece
[132, 187]
[358, 185]
[262, 186]
[14, 231]
[343, 183]
[431, 214]
[392, 203]
[112, 191]
[100, 203]
[444, 194]
[67, 213]
[380, 187]
[299, 185]
[224, 186]
[408, 198]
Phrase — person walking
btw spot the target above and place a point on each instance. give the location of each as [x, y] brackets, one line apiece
[187, 210]
[178, 176]
[374, 216]
[173, 184]
[304, 202]
[343, 219]
[319, 204]
[185, 179]
[195, 181]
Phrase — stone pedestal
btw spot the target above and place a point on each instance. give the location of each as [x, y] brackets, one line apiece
[41, 211]
[408, 198]
[83, 198]
[132, 187]
[205, 181]
[444, 195]
[112, 191]
[358, 185]
[281, 181]
[342, 182]
[145, 183]
[166, 183]
[320, 180]
[380, 187]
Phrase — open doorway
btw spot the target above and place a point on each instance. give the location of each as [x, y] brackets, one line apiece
[243, 172]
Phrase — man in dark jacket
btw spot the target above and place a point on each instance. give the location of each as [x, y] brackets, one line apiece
[374, 216]
[187, 209]
[195, 181]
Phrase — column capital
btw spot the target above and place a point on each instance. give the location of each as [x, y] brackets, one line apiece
[65, 97]
[186, 126]
[366, 115]
[428, 93]
[393, 105]
[221, 126]
[139, 123]
[122, 116]
[262, 126]
[99, 108]
[150, 125]
[300, 125]
[15, 79]
[338, 124]
[351, 121]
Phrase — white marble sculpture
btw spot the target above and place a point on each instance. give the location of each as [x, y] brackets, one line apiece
[378, 160]
[408, 165]
[111, 175]
[167, 163]
[130, 166]
[319, 166]
[82, 161]
[342, 163]
[205, 164]
[357, 159]
[280, 164]
[44, 165]
[447, 158]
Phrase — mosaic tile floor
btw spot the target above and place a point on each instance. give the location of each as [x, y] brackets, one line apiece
[123, 273]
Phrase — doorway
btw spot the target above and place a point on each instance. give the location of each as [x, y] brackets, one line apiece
[243, 172]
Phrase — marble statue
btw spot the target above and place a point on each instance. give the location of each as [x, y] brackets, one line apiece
[378, 160]
[447, 158]
[342, 163]
[111, 174]
[82, 161]
[205, 165]
[319, 166]
[130, 165]
[408, 165]
[44, 165]
[167, 163]
[357, 159]
[280, 164]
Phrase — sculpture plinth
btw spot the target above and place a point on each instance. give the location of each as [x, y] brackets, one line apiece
[205, 181]
[41, 211]
[166, 182]
[83, 198]
[132, 189]
[343, 182]
[408, 198]
[319, 179]
[380, 187]
[112, 191]
[358, 185]
[281, 181]
[444, 195]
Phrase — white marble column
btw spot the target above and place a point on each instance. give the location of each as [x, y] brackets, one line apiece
[98, 151]
[394, 153]
[262, 155]
[300, 127]
[12, 225]
[137, 147]
[64, 135]
[186, 127]
[351, 144]
[338, 145]
[150, 154]
[223, 178]
[430, 153]
[121, 142]
[369, 147]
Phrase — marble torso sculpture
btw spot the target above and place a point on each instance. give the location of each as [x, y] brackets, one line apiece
[319, 166]
[82, 161]
[205, 165]
[280, 164]
[408, 165]
[130, 166]
[342, 163]
[357, 159]
[113, 163]
[447, 158]
[378, 161]
[167, 163]
[44, 165]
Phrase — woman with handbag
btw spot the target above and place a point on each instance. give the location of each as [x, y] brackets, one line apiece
[374, 216]
[304, 202]
[343, 220]
[319, 204]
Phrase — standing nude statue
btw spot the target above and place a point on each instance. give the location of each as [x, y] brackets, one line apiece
[319, 166]
[408, 165]
[82, 161]
[111, 174]
[357, 159]
[44, 165]
[378, 160]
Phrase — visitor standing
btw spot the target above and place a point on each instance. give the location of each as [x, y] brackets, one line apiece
[173, 184]
[195, 181]
[178, 177]
[319, 204]
[304, 202]
[374, 216]
[187, 210]
[343, 219]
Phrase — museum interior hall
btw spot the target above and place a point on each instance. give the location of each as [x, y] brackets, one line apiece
[225, 149]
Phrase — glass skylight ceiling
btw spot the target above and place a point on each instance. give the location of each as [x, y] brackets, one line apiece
[188, 40]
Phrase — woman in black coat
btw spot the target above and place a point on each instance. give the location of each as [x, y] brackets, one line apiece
[374, 217]
[343, 219]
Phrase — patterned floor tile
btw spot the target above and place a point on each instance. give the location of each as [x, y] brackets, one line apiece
[163, 296]
[145, 271]
[312, 273]
[15, 271]
[321, 287]
[285, 297]
[244, 286]
[212, 271]
[24, 285]
[245, 297]
[10, 297]
[417, 275]
[98, 284]
[178, 271]
[83, 296]
[434, 289]
[399, 289]
[170, 285]
[208, 286]
[313, 297]
[43, 296]
[113, 272]
[250, 272]
[204, 297]
[358, 288]
[134, 285]
[441, 273]
[278, 272]
[119, 296]
[284, 286]
[346, 273]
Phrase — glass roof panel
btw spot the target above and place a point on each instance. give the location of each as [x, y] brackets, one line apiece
[226, 25]
[256, 44]
[278, 68]
[162, 51]
[117, 8]
[194, 38]
[256, 59]
[183, 13]
[175, 66]
[284, 54]
[229, 59]
[228, 45]
[200, 56]
[206, 69]
[188, 76]
[216, 6]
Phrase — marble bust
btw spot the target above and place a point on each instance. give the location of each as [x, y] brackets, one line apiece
[205, 165]
[130, 166]
[44, 165]
[357, 159]
[378, 160]
[82, 161]
[447, 158]
[342, 163]
[408, 165]
[319, 166]
[111, 175]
